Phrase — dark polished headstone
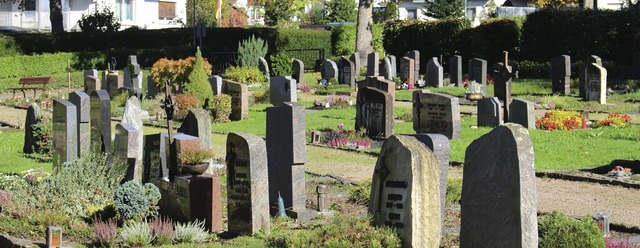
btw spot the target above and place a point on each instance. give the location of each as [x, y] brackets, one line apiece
[32, 118]
[596, 84]
[372, 64]
[65, 134]
[282, 89]
[489, 112]
[374, 112]
[478, 73]
[455, 70]
[347, 72]
[415, 55]
[560, 74]
[584, 74]
[435, 73]
[297, 70]
[125, 150]
[100, 122]
[522, 112]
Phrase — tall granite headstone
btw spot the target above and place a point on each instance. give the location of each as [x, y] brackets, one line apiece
[264, 67]
[282, 89]
[455, 70]
[394, 66]
[405, 192]
[247, 184]
[154, 157]
[478, 72]
[83, 109]
[125, 150]
[355, 58]
[436, 113]
[435, 73]
[584, 74]
[216, 84]
[91, 84]
[374, 112]
[239, 99]
[32, 118]
[407, 70]
[286, 153]
[522, 112]
[133, 115]
[152, 88]
[329, 70]
[347, 72]
[100, 121]
[499, 190]
[415, 55]
[560, 74]
[372, 64]
[114, 83]
[489, 112]
[126, 78]
[596, 84]
[298, 70]
[198, 123]
[65, 136]
[386, 70]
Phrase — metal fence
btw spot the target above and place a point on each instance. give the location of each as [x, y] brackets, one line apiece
[223, 60]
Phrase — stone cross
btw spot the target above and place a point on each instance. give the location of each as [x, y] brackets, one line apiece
[502, 75]
[134, 71]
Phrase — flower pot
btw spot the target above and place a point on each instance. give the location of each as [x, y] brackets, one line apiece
[195, 169]
[474, 96]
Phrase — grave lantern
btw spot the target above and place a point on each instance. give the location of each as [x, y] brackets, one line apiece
[54, 236]
[602, 219]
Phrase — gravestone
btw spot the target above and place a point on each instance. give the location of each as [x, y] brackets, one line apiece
[502, 86]
[126, 78]
[489, 112]
[154, 157]
[522, 112]
[264, 67]
[455, 70]
[329, 70]
[91, 72]
[355, 58]
[381, 84]
[239, 99]
[415, 55]
[560, 74]
[374, 112]
[91, 84]
[372, 64]
[436, 113]
[216, 84]
[83, 109]
[435, 73]
[405, 192]
[298, 70]
[32, 118]
[198, 123]
[407, 70]
[386, 70]
[181, 142]
[196, 198]
[113, 85]
[347, 72]
[133, 115]
[152, 88]
[65, 136]
[286, 153]
[439, 145]
[282, 89]
[125, 150]
[596, 84]
[247, 184]
[499, 190]
[100, 121]
[584, 74]
[394, 66]
[478, 73]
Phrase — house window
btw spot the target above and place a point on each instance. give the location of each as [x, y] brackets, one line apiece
[166, 10]
[124, 9]
[29, 5]
[412, 14]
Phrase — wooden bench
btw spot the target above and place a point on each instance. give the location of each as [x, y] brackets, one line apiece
[31, 83]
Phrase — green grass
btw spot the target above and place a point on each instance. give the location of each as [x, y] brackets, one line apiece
[13, 160]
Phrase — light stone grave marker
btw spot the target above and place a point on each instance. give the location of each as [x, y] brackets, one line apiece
[282, 89]
[125, 150]
[216, 84]
[65, 136]
[83, 109]
[436, 113]
[596, 84]
[584, 73]
[239, 99]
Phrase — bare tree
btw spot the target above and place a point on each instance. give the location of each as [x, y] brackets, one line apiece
[364, 31]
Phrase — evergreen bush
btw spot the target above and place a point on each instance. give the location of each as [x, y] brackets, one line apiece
[134, 201]
[245, 75]
[281, 65]
[558, 230]
[198, 81]
[250, 50]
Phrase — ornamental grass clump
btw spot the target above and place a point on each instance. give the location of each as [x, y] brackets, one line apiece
[560, 120]
[137, 234]
[194, 156]
[613, 120]
[191, 233]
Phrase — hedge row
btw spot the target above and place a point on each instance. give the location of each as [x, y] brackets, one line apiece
[34, 65]
[343, 38]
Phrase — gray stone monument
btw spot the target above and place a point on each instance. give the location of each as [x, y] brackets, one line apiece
[560, 74]
[394, 66]
[355, 58]
[381, 84]
[100, 122]
[415, 55]
[372, 64]
[282, 89]
[522, 112]
[154, 157]
[596, 84]
[347, 72]
[264, 67]
[216, 84]
[114, 83]
[152, 88]
[91, 84]
[287, 154]
[133, 115]
[65, 136]
[499, 190]
[478, 72]
[386, 70]
[32, 118]
[198, 123]
[489, 112]
[374, 112]
[407, 70]
[436, 113]
[435, 73]
[455, 70]
[584, 74]
[298, 70]
[126, 79]
[83, 109]
[405, 192]
[247, 184]
[91, 72]
[239, 99]
[125, 150]
[329, 70]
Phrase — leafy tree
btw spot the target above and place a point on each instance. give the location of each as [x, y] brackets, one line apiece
[316, 16]
[342, 10]
[443, 9]
[205, 13]
[99, 21]
[553, 3]
[276, 11]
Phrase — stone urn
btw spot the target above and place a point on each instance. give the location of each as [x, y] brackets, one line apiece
[195, 169]
[473, 96]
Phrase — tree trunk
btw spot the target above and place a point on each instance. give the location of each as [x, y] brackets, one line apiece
[364, 31]
[55, 16]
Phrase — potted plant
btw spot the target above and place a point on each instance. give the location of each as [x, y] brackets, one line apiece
[193, 161]
[474, 92]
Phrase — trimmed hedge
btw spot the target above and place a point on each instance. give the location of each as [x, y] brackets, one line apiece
[34, 65]
[488, 40]
[343, 38]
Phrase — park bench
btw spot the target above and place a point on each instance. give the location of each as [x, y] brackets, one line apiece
[31, 83]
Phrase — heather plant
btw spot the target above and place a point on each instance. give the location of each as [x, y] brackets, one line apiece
[191, 233]
[614, 120]
[558, 230]
[162, 229]
[305, 87]
[198, 83]
[250, 51]
[134, 201]
[105, 232]
[281, 65]
[560, 120]
[136, 234]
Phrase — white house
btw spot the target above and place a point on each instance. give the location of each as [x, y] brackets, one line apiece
[145, 14]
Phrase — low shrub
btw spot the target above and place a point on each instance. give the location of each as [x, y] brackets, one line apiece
[185, 102]
[281, 65]
[118, 101]
[137, 234]
[103, 20]
[105, 232]
[560, 120]
[134, 201]
[220, 108]
[43, 135]
[454, 191]
[163, 230]
[531, 69]
[34, 65]
[558, 230]
[245, 75]
[614, 120]
[360, 194]
[261, 95]
[191, 232]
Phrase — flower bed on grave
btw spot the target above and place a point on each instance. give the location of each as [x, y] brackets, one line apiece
[342, 138]
[332, 102]
[565, 120]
